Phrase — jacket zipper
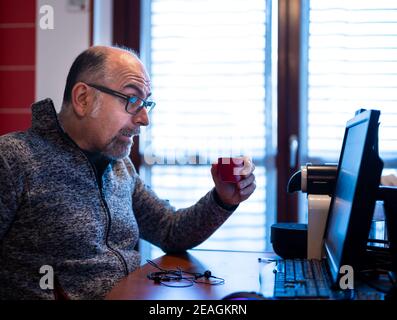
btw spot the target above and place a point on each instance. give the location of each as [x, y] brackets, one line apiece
[109, 221]
[104, 204]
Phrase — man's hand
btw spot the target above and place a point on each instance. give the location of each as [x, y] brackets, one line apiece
[234, 193]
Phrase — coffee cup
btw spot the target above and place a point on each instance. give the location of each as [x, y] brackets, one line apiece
[230, 168]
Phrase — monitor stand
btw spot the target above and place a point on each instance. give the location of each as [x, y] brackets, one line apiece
[389, 197]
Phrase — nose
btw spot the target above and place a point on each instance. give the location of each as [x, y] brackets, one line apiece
[141, 118]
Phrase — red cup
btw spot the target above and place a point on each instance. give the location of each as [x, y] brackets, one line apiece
[227, 169]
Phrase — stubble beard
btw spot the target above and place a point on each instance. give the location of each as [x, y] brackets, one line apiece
[117, 149]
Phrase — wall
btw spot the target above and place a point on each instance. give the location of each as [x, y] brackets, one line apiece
[17, 63]
[57, 48]
[34, 62]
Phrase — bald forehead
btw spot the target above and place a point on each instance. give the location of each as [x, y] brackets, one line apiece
[116, 58]
[113, 51]
[125, 69]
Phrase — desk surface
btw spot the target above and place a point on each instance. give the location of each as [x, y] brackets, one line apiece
[239, 269]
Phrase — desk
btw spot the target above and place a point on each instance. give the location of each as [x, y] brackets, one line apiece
[239, 269]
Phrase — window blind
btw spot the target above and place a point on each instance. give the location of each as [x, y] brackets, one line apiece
[208, 70]
[351, 64]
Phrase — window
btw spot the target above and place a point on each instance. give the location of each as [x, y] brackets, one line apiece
[350, 62]
[211, 70]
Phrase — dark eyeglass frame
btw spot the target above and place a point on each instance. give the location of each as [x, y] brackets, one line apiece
[148, 105]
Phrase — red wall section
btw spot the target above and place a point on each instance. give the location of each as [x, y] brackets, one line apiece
[9, 121]
[17, 89]
[17, 63]
[17, 11]
[20, 46]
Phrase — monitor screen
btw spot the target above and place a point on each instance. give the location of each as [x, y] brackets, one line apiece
[353, 201]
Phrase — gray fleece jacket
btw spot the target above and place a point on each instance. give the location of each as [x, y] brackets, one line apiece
[52, 212]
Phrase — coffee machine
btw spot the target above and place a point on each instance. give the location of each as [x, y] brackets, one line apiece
[297, 240]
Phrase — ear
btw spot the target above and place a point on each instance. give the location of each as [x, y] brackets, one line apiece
[82, 99]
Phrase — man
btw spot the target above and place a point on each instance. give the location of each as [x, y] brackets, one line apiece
[71, 201]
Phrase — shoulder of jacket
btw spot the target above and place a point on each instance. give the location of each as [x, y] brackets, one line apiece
[13, 144]
[18, 150]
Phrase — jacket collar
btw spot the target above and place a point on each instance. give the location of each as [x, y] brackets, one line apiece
[44, 117]
[45, 121]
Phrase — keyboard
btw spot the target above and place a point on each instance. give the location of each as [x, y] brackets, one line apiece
[301, 278]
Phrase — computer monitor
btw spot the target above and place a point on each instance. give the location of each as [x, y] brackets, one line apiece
[353, 201]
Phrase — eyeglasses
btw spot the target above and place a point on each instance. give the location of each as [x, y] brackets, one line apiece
[133, 104]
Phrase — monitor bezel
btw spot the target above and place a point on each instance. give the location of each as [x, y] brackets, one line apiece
[369, 173]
